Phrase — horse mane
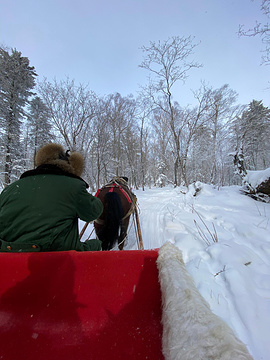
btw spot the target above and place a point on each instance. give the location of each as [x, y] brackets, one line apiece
[109, 232]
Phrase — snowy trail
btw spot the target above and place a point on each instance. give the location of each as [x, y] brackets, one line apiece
[153, 211]
[232, 274]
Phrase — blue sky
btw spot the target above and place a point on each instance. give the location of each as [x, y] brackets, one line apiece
[97, 42]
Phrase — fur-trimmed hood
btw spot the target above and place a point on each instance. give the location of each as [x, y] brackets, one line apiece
[50, 169]
[54, 154]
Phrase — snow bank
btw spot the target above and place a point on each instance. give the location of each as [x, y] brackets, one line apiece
[255, 178]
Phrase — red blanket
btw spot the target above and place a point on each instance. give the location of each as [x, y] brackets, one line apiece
[72, 305]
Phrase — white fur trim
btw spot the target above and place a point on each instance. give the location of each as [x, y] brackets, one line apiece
[191, 331]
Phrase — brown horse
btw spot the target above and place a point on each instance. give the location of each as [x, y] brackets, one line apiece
[118, 202]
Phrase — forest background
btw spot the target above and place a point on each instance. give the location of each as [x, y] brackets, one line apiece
[152, 138]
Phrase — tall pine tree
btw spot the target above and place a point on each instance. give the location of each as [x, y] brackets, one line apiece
[17, 79]
[254, 131]
[39, 127]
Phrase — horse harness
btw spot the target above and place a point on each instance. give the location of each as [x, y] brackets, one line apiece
[118, 183]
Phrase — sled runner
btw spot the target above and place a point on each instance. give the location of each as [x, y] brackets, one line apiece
[80, 305]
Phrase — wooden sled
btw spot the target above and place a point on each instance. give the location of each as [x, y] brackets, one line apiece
[80, 305]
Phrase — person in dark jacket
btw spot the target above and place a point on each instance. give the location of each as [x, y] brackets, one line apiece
[40, 211]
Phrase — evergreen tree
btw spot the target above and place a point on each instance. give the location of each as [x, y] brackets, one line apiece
[254, 135]
[17, 79]
[39, 126]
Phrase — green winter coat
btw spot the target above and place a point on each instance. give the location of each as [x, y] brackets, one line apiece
[42, 209]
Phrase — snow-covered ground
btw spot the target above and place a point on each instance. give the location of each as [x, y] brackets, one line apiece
[225, 240]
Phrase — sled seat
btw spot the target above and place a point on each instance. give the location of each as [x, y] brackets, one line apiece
[80, 305]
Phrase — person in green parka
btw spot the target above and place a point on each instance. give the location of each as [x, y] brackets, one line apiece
[40, 211]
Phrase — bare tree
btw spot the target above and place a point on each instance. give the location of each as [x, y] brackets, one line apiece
[194, 118]
[72, 110]
[120, 115]
[199, 164]
[163, 141]
[99, 153]
[221, 112]
[263, 30]
[143, 148]
[168, 62]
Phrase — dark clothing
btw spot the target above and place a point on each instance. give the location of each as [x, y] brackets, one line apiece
[43, 208]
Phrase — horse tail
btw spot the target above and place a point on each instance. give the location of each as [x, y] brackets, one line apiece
[114, 214]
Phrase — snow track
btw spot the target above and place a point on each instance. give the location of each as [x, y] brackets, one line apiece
[232, 274]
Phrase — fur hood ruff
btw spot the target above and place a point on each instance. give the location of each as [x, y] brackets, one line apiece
[50, 169]
[54, 154]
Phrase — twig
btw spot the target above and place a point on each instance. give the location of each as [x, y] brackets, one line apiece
[213, 235]
[201, 233]
[221, 271]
